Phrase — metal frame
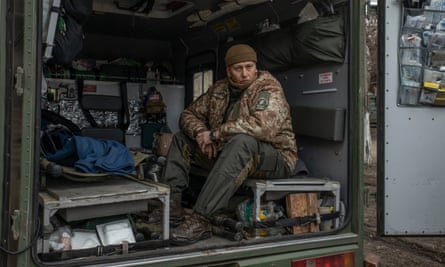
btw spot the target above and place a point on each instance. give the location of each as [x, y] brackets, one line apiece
[52, 204]
[259, 187]
[52, 27]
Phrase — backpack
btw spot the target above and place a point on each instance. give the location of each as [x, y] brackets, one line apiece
[56, 133]
[154, 103]
[68, 40]
[49, 117]
[79, 10]
[57, 145]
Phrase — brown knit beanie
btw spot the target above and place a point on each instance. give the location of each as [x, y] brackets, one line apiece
[239, 53]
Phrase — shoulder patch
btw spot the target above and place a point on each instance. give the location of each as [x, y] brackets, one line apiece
[263, 101]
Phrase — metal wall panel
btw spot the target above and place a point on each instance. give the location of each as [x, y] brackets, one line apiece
[413, 151]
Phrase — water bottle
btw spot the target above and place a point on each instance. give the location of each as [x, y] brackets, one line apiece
[244, 212]
[426, 38]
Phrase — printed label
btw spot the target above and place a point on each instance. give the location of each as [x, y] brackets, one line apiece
[324, 78]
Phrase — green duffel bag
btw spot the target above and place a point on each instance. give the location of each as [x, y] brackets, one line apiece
[319, 41]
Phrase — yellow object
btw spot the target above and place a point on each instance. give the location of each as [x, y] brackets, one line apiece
[431, 85]
[263, 214]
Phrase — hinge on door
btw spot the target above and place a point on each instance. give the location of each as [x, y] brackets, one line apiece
[19, 81]
[15, 227]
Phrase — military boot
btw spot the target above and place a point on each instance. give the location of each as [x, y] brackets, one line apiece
[194, 228]
[176, 212]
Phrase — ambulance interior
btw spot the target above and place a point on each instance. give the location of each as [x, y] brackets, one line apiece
[134, 66]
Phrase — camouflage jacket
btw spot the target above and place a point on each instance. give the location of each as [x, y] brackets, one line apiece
[262, 112]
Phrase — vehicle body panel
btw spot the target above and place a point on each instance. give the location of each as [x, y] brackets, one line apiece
[23, 166]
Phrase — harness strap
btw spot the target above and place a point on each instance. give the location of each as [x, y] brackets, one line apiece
[317, 218]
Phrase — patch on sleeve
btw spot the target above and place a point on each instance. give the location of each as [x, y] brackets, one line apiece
[263, 101]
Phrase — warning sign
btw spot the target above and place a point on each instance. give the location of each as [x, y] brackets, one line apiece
[90, 88]
[324, 78]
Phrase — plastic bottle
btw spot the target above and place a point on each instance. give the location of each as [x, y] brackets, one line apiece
[150, 75]
[441, 25]
[426, 38]
[270, 212]
[244, 212]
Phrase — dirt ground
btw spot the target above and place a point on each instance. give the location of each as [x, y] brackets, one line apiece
[396, 251]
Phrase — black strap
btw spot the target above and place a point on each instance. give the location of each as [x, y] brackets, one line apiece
[123, 116]
[55, 9]
[125, 120]
[297, 220]
[51, 117]
[147, 8]
[134, 7]
[86, 112]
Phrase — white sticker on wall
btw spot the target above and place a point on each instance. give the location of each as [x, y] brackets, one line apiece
[324, 78]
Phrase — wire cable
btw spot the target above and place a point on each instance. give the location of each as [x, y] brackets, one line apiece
[34, 239]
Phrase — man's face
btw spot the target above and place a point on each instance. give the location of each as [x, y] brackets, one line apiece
[242, 72]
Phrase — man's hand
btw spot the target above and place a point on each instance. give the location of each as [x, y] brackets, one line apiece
[210, 150]
[206, 145]
[203, 138]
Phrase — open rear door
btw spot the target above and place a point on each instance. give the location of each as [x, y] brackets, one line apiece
[411, 121]
[18, 80]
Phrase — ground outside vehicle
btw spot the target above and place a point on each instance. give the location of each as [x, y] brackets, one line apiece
[319, 61]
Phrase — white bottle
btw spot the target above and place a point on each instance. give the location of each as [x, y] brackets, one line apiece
[426, 38]
[441, 25]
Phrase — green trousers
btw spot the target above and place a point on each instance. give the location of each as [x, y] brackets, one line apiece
[241, 158]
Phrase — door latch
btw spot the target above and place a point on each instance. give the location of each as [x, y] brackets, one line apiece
[15, 227]
[19, 81]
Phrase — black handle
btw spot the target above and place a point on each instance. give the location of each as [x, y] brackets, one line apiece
[220, 231]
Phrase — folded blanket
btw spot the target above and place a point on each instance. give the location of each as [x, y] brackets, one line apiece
[102, 156]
